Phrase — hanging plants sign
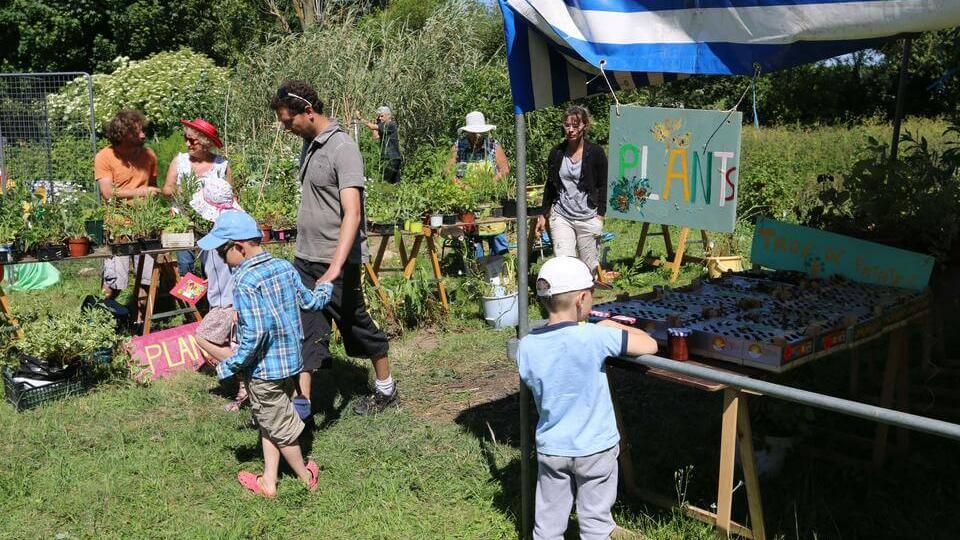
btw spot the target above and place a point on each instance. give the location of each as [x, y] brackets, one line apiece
[674, 167]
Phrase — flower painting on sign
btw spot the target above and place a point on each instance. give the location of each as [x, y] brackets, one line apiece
[674, 167]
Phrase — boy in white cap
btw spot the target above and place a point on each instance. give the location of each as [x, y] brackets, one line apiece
[268, 295]
[577, 439]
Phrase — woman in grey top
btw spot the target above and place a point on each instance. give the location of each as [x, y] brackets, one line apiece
[575, 196]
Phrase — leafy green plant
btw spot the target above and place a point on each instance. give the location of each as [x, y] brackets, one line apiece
[45, 225]
[150, 216]
[66, 336]
[178, 223]
[118, 221]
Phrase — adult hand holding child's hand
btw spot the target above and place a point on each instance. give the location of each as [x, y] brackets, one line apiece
[324, 293]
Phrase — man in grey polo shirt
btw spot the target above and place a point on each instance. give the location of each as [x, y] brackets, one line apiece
[331, 242]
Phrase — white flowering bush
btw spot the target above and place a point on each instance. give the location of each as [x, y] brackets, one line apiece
[167, 87]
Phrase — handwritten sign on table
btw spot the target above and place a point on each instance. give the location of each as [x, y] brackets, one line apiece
[674, 167]
[784, 246]
[164, 353]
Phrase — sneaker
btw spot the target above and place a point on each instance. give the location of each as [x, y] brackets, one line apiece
[377, 402]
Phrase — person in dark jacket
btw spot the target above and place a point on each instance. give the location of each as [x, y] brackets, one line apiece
[574, 199]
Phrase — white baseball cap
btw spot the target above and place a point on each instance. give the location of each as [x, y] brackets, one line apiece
[564, 274]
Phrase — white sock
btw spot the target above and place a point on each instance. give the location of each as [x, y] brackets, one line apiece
[386, 386]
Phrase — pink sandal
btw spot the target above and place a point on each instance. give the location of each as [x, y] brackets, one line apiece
[251, 482]
[314, 475]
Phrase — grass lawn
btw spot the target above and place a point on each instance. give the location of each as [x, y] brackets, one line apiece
[159, 461]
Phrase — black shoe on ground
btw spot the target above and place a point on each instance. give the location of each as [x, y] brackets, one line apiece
[377, 402]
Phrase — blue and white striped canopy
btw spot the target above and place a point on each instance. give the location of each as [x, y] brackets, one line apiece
[555, 47]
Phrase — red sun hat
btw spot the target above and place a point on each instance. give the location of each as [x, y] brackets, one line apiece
[206, 128]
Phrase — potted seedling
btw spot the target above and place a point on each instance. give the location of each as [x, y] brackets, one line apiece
[74, 227]
[178, 232]
[717, 263]
[119, 227]
[150, 218]
[44, 232]
[11, 223]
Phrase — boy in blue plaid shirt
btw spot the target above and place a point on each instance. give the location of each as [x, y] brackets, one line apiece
[268, 295]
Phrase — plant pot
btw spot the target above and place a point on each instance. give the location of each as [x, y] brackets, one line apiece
[94, 228]
[125, 248]
[508, 207]
[150, 244]
[716, 266]
[416, 227]
[501, 311]
[436, 220]
[265, 230]
[496, 211]
[177, 240]
[449, 219]
[78, 246]
[51, 252]
[381, 228]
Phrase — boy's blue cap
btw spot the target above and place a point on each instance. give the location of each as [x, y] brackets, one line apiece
[231, 225]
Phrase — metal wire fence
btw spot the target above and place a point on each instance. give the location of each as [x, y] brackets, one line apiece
[40, 143]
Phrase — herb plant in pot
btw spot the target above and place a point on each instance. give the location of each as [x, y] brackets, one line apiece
[74, 227]
[150, 218]
[11, 223]
[178, 232]
[119, 227]
[55, 344]
[44, 232]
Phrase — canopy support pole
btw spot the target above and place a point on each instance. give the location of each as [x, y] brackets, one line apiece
[898, 110]
[523, 272]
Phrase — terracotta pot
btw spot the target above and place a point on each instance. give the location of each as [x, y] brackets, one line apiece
[266, 230]
[468, 217]
[79, 246]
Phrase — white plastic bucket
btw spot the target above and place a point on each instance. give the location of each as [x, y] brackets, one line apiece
[436, 220]
[501, 311]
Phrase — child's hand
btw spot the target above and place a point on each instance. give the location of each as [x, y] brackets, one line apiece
[324, 293]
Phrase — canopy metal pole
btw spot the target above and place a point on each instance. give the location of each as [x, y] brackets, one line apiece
[523, 271]
[898, 110]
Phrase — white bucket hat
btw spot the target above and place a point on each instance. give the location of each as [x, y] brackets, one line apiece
[214, 197]
[476, 123]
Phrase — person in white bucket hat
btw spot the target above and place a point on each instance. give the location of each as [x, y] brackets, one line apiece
[476, 146]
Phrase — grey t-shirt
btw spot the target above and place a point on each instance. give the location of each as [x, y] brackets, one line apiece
[329, 163]
[572, 203]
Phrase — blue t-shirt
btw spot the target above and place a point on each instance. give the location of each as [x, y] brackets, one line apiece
[563, 365]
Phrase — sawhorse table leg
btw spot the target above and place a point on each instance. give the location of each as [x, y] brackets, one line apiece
[736, 428]
[5, 306]
[160, 262]
[441, 288]
[895, 385]
[373, 270]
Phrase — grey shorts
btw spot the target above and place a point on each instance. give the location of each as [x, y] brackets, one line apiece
[272, 409]
[591, 480]
[116, 271]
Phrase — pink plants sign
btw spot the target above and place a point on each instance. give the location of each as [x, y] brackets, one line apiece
[164, 353]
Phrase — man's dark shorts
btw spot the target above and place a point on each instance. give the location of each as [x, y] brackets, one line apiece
[361, 336]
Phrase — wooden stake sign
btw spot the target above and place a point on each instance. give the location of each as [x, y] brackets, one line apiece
[164, 353]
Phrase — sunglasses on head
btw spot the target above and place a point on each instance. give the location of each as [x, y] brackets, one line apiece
[283, 93]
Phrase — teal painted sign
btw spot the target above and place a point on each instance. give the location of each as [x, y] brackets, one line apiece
[784, 246]
[674, 167]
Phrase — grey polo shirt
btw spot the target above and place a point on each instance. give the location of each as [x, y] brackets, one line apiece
[329, 163]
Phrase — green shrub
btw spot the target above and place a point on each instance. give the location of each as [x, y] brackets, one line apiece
[167, 87]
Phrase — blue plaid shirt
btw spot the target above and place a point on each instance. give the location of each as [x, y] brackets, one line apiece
[267, 294]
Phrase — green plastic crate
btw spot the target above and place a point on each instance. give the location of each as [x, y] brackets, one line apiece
[23, 396]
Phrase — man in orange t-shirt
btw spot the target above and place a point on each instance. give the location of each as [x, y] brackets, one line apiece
[126, 170]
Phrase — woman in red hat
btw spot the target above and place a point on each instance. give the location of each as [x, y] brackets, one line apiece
[213, 194]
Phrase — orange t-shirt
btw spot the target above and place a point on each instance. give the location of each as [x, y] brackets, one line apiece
[141, 171]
